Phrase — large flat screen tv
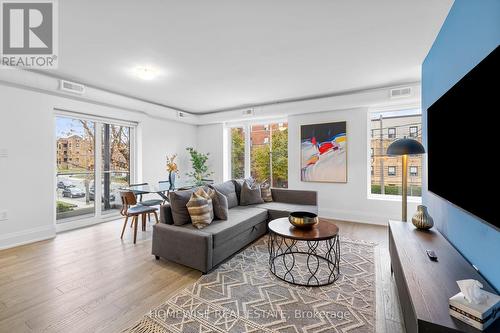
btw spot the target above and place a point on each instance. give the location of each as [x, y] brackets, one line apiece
[463, 142]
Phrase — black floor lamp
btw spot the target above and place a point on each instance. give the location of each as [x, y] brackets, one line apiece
[403, 148]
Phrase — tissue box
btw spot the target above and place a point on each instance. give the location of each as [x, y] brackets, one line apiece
[479, 316]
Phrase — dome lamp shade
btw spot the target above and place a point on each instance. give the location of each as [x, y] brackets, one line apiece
[405, 147]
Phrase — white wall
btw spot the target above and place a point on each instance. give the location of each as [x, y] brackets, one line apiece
[160, 138]
[211, 140]
[347, 201]
[27, 175]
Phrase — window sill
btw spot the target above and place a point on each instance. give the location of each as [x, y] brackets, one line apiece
[386, 197]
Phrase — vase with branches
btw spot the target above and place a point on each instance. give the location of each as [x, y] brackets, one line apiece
[172, 169]
[199, 165]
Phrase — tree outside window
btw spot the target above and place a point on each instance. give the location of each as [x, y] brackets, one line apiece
[268, 153]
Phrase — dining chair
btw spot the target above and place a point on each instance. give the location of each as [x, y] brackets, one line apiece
[130, 208]
[148, 203]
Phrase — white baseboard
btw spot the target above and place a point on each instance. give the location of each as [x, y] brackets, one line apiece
[354, 216]
[27, 236]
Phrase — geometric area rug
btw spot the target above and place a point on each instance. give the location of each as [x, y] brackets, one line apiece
[242, 295]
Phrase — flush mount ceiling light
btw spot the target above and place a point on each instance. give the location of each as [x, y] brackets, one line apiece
[146, 72]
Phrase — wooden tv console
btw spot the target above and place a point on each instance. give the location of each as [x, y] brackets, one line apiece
[424, 286]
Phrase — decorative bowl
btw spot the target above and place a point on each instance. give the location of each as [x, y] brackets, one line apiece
[303, 220]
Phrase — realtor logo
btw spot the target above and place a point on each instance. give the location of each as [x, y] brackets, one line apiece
[29, 33]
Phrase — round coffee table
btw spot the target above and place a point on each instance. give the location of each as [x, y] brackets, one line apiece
[304, 257]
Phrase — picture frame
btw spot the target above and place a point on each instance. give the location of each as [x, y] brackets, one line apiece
[323, 152]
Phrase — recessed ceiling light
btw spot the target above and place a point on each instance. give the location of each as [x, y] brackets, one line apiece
[146, 72]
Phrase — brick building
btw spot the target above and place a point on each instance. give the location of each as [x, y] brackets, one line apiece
[74, 152]
[387, 169]
[261, 134]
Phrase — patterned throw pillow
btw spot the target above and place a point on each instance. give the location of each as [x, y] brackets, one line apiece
[198, 210]
[250, 194]
[201, 192]
[265, 192]
[220, 204]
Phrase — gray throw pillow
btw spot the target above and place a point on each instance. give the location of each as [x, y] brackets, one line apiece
[220, 204]
[227, 188]
[178, 201]
[238, 184]
[250, 194]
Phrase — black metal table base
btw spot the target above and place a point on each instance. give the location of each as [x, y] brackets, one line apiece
[289, 257]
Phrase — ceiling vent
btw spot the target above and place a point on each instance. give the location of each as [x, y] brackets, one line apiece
[72, 87]
[400, 92]
[248, 112]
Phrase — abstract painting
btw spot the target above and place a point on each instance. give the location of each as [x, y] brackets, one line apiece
[324, 152]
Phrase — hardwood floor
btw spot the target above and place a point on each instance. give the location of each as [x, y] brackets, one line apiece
[87, 280]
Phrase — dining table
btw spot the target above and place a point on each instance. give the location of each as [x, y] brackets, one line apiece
[161, 188]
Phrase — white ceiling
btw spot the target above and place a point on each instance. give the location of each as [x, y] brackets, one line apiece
[223, 54]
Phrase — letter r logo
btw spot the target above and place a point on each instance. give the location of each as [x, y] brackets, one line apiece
[27, 28]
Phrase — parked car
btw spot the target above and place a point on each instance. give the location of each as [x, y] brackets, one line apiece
[65, 184]
[73, 192]
[92, 196]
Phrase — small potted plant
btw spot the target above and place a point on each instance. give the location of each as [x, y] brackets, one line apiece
[172, 169]
[199, 164]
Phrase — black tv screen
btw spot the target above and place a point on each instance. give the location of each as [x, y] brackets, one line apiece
[463, 142]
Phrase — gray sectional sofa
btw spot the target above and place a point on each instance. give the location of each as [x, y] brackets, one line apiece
[203, 249]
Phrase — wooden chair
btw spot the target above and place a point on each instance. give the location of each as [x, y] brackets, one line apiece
[149, 203]
[130, 208]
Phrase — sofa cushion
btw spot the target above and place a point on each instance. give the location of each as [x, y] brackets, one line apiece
[220, 205]
[227, 188]
[207, 193]
[178, 201]
[265, 192]
[238, 184]
[199, 210]
[281, 209]
[239, 220]
[250, 194]
[166, 214]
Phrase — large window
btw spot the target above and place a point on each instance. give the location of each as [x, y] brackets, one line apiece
[260, 151]
[386, 170]
[237, 152]
[79, 166]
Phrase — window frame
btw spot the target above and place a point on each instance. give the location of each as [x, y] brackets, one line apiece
[393, 135]
[411, 133]
[373, 114]
[247, 128]
[389, 174]
[415, 174]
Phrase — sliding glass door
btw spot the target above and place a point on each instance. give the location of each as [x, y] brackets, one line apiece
[115, 164]
[90, 151]
[75, 140]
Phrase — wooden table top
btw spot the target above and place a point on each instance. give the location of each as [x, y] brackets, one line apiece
[321, 231]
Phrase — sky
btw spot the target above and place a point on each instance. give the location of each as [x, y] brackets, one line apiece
[67, 126]
[388, 114]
